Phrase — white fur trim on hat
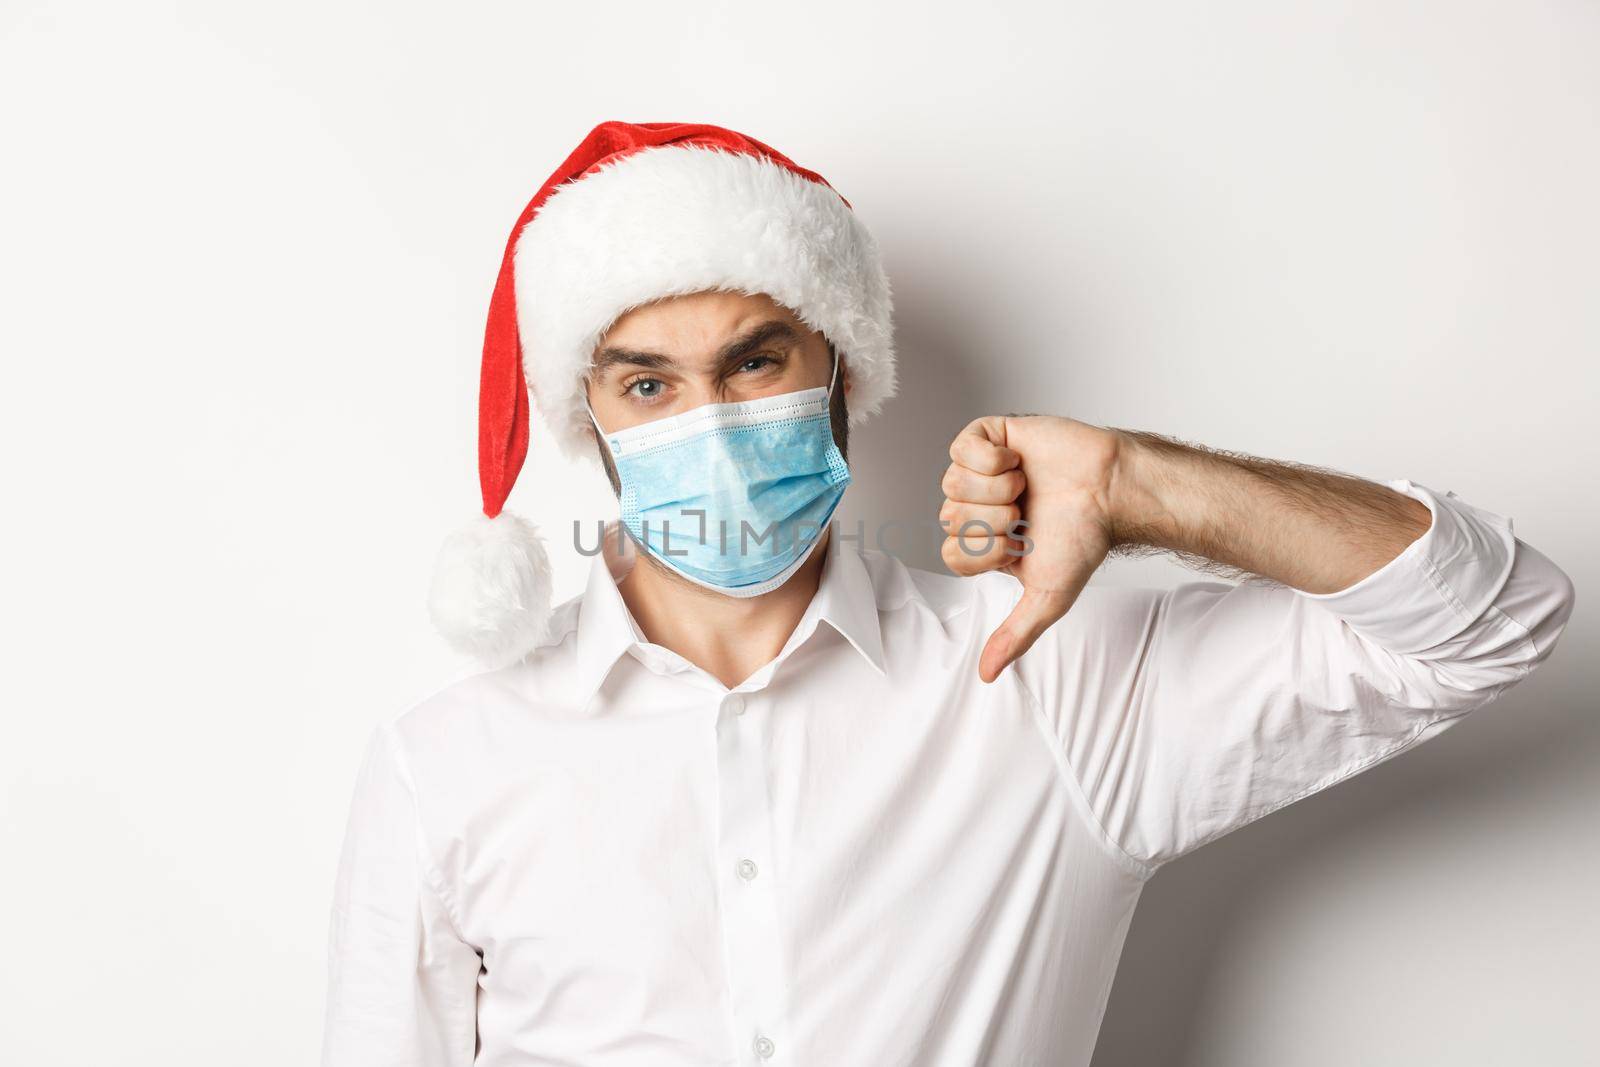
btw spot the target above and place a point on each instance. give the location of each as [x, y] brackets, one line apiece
[678, 219]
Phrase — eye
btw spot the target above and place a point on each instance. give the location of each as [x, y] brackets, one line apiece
[647, 392]
[756, 363]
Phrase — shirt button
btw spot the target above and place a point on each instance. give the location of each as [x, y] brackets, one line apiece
[735, 703]
[747, 869]
[765, 1047]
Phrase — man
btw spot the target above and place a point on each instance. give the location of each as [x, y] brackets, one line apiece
[794, 801]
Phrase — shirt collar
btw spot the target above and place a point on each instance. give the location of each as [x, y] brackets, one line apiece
[606, 629]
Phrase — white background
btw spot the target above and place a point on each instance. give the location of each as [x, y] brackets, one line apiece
[247, 251]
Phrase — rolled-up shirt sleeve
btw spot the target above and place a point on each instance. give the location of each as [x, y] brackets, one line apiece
[1188, 712]
[402, 984]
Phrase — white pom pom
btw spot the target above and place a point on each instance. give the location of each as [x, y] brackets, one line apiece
[490, 597]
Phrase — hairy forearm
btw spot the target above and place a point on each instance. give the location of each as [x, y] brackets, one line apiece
[1309, 528]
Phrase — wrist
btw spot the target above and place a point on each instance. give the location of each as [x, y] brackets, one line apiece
[1133, 504]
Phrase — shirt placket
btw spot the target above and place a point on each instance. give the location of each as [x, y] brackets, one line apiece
[747, 879]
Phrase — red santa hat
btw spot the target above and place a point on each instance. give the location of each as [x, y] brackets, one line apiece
[639, 211]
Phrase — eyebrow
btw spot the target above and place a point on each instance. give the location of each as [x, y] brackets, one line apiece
[734, 352]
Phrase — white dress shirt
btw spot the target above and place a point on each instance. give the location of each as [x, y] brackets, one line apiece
[864, 854]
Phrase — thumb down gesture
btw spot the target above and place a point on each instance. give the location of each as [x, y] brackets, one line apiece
[1029, 495]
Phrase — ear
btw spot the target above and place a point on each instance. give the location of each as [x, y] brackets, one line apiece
[845, 383]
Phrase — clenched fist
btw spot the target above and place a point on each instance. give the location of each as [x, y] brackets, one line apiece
[1056, 476]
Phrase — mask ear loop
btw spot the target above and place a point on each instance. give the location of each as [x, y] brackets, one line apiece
[831, 378]
[596, 423]
[626, 498]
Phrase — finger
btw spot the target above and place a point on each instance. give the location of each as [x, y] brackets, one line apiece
[981, 447]
[961, 519]
[1032, 616]
[967, 556]
[968, 486]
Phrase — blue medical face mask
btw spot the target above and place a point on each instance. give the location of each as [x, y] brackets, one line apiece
[732, 496]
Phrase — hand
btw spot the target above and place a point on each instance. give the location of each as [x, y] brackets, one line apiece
[1056, 475]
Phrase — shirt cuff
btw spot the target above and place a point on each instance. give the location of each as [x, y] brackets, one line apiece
[1440, 583]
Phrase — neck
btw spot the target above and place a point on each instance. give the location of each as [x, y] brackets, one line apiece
[728, 637]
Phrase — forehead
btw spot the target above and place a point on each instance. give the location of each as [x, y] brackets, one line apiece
[692, 326]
